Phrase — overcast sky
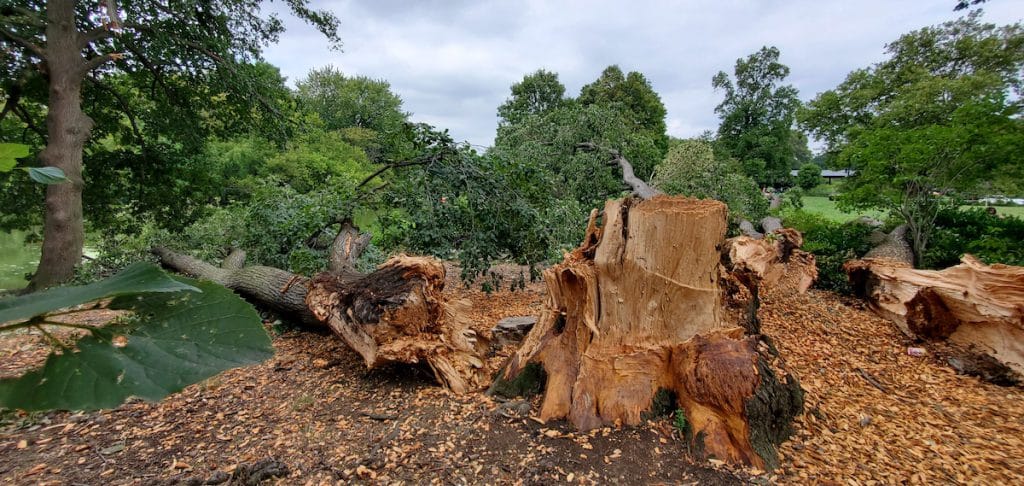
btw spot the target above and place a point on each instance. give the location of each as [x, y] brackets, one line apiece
[452, 62]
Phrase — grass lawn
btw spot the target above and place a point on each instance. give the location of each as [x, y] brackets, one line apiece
[1017, 211]
[16, 259]
[823, 207]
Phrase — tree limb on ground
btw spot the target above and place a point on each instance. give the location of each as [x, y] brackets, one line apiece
[975, 308]
[396, 314]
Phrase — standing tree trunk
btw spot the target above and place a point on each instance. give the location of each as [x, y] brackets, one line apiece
[635, 320]
[68, 128]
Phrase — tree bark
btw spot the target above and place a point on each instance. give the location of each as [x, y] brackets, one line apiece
[396, 314]
[975, 308]
[68, 128]
[892, 246]
[635, 320]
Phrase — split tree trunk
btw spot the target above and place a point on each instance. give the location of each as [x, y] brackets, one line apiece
[635, 316]
[396, 314]
[975, 308]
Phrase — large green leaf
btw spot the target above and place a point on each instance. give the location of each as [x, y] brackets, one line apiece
[10, 153]
[47, 175]
[173, 340]
[138, 278]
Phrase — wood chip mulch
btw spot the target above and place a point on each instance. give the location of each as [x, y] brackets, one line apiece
[877, 415]
[314, 415]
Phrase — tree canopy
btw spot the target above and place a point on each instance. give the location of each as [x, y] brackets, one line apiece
[160, 72]
[757, 116]
[929, 124]
[691, 169]
[364, 110]
[641, 108]
[538, 93]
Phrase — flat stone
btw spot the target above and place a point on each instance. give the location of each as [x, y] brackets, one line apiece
[512, 329]
[521, 323]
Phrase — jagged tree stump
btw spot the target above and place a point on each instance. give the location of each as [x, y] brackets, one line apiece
[635, 315]
[396, 314]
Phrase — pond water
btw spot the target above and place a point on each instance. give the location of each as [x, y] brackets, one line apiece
[16, 259]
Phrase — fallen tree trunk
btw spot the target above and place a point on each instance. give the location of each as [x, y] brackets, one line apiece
[394, 314]
[775, 261]
[892, 246]
[976, 308]
[635, 322]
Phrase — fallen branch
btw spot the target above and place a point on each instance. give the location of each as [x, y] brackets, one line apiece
[640, 188]
[396, 314]
[976, 308]
[871, 380]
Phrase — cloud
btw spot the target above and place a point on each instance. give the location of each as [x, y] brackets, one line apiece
[453, 61]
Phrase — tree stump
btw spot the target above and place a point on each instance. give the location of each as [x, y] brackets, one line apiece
[635, 320]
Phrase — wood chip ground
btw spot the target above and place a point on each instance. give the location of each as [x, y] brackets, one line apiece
[317, 410]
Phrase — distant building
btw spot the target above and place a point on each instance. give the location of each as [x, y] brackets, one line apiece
[829, 175]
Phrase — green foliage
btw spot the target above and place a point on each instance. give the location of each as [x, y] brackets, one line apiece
[233, 162]
[680, 423]
[691, 169]
[639, 106]
[318, 159]
[832, 243]
[794, 198]
[938, 118]
[178, 332]
[275, 227]
[824, 189]
[757, 118]
[543, 149]
[991, 238]
[10, 153]
[809, 176]
[359, 102]
[476, 208]
[47, 175]
[176, 76]
[137, 279]
[537, 94]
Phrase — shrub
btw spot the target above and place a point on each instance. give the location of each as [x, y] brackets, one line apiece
[991, 238]
[823, 190]
[794, 198]
[691, 169]
[832, 244]
[809, 176]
